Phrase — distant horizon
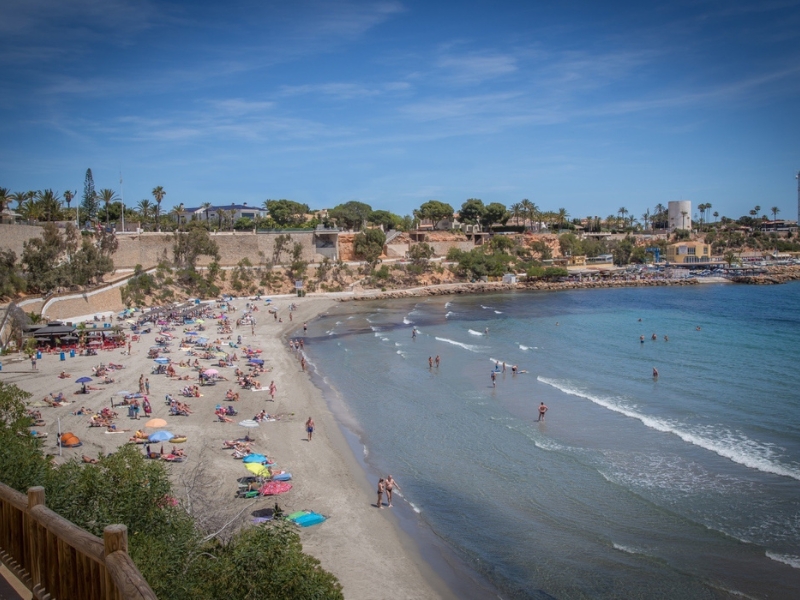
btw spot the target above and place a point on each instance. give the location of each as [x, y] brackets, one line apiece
[393, 103]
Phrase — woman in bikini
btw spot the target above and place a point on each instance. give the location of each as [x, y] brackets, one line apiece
[381, 489]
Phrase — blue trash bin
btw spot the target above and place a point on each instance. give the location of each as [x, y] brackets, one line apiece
[72, 353]
[63, 356]
[38, 355]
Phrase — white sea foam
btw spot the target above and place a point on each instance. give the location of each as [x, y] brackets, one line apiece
[338, 322]
[469, 347]
[498, 312]
[384, 339]
[407, 321]
[364, 450]
[521, 347]
[487, 307]
[627, 549]
[447, 315]
[733, 446]
[397, 344]
[401, 353]
[792, 561]
[416, 509]
[374, 328]
[473, 332]
[448, 304]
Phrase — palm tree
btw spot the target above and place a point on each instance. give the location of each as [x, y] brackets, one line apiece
[49, 203]
[5, 198]
[19, 198]
[716, 216]
[68, 196]
[144, 207]
[562, 217]
[775, 210]
[158, 193]
[206, 206]
[708, 207]
[176, 213]
[683, 219]
[622, 212]
[646, 218]
[515, 210]
[659, 213]
[757, 209]
[107, 196]
[528, 209]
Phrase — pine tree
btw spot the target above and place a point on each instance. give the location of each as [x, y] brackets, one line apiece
[89, 202]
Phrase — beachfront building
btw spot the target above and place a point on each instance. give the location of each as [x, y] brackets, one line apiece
[222, 212]
[688, 252]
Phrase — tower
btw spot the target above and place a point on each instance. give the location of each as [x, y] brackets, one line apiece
[679, 214]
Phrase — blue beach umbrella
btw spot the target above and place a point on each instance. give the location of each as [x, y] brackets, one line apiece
[83, 380]
[162, 360]
[256, 361]
[160, 436]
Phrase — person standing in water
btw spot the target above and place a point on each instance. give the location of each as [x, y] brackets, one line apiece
[414, 333]
[655, 373]
[436, 360]
[542, 410]
[310, 428]
[430, 362]
[390, 485]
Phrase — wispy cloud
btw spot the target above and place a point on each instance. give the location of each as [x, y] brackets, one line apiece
[344, 91]
[476, 67]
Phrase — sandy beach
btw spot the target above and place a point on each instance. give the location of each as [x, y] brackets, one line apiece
[361, 545]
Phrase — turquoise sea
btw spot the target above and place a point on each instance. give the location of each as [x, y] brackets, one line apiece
[687, 486]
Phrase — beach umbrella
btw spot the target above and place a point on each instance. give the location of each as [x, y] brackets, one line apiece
[254, 458]
[156, 423]
[200, 320]
[191, 333]
[160, 436]
[83, 380]
[256, 361]
[248, 423]
[210, 372]
[162, 360]
[257, 469]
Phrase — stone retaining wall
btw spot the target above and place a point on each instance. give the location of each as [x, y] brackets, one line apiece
[13, 236]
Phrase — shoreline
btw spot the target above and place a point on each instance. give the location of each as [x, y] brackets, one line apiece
[363, 547]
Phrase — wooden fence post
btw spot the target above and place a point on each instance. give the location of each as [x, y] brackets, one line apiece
[115, 537]
[36, 557]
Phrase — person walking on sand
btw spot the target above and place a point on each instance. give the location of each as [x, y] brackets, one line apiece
[310, 428]
[33, 361]
[272, 389]
[542, 410]
[147, 385]
[141, 384]
[381, 489]
[390, 485]
[303, 362]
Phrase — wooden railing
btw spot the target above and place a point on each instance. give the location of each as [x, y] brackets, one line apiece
[57, 560]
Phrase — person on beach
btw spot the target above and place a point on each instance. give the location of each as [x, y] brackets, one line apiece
[310, 428]
[305, 328]
[381, 489]
[147, 385]
[390, 485]
[33, 361]
[494, 378]
[414, 333]
[272, 389]
[430, 362]
[542, 410]
[436, 360]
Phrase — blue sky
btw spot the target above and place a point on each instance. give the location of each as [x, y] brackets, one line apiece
[587, 106]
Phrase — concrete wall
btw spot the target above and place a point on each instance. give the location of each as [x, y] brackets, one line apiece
[442, 248]
[147, 249]
[13, 236]
[396, 250]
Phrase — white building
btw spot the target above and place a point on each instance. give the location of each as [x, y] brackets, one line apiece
[679, 214]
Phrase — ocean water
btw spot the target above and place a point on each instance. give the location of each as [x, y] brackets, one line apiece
[684, 486]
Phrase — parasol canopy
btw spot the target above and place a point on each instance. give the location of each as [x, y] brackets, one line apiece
[257, 469]
[210, 372]
[162, 360]
[156, 423]
[248, 423]
[161, 436]
[83, 380]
